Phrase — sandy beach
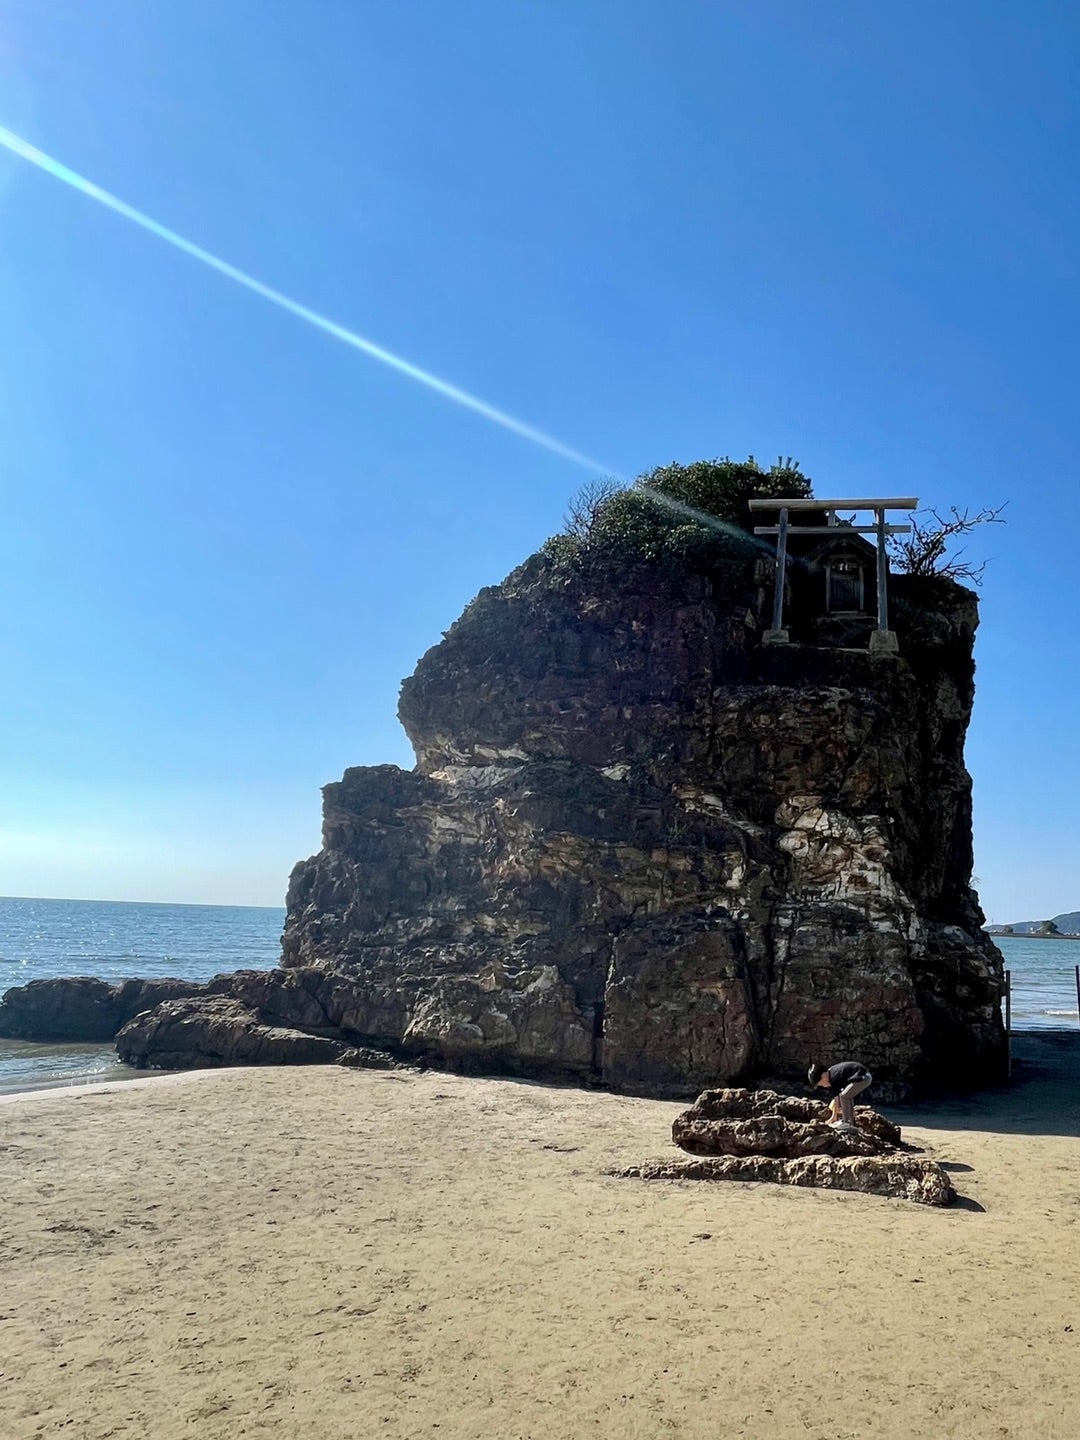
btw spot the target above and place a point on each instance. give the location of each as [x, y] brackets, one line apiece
[331, 1254]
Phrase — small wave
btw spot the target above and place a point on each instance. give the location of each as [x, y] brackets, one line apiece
[1070, 1014]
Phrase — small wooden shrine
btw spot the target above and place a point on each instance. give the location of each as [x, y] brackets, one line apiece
[831, 583]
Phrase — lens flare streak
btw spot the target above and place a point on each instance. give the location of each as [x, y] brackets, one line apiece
[25, 151]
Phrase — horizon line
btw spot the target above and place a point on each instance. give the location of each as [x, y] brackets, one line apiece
[190, 904]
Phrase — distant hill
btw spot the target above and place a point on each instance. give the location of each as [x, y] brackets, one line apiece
[1068, 924]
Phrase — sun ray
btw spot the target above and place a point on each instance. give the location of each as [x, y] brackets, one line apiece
[22, 148]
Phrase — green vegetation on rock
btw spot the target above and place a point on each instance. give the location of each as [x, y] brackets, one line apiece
[680, 519]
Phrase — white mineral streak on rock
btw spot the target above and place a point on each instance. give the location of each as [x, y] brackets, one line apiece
[695, 799]
[445, 745]
[704, 802]
[737, 878]
[462, 827]
[491, 753]
[547, 979]
[528, 1012]
[841, 858]
[473, 777]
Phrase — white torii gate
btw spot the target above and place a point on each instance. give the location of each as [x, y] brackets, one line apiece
[883, 638]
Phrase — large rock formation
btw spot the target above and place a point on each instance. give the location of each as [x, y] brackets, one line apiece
[641, 846]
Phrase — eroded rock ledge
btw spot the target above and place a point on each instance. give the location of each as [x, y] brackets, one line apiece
[737, 1134]
[220, 1030]
[894, 1177]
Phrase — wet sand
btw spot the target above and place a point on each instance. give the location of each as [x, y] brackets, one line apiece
[332, 1254]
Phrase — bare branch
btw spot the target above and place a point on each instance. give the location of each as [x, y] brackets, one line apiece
[586, 505]
[926, 550]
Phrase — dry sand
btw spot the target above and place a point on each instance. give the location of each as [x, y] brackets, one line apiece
[331, 1254]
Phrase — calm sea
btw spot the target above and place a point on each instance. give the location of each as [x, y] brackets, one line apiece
[1043, 981]
[112, 940]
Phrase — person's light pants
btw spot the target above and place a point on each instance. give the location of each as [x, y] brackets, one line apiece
[847, 1098]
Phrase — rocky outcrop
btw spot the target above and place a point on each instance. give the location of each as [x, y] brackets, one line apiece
[250, 1017]
[82, 1008]
[894, 1177]
[642, 847]
[760, 1135]
[220, 1030]
[760, 1122]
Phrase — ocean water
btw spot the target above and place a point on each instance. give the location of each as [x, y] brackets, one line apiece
[1043, 976]
[113, 940]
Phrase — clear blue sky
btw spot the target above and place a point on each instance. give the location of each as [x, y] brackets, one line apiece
[849, 233]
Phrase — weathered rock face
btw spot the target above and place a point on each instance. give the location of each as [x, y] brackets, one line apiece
[643, 847]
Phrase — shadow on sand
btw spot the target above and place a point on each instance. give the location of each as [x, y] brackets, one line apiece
[965, 1202]
[1042, 1098]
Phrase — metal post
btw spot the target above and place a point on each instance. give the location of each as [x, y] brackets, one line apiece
[1008, 1024]
[882, 640]
[778, 635]
[882, 575]
[1077, 968]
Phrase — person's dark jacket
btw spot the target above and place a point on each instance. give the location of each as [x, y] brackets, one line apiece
[846, 1073]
